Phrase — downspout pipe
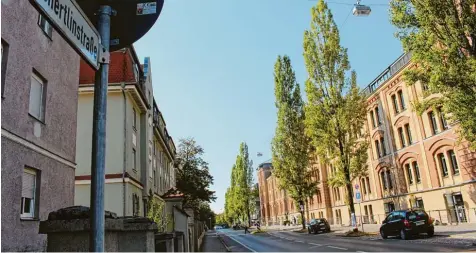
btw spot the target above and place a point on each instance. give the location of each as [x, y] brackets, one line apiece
[124, 155]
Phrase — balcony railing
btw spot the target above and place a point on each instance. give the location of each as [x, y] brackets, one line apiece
[159, 124]
[388, 73]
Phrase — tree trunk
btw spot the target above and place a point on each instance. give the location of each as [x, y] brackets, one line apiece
[350, 196]
[303, 219]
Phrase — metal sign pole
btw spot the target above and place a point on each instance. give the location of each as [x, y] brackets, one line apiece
[98, 156]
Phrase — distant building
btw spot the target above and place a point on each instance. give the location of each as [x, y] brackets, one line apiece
[140, 153]
[39, 93]
[415, 161]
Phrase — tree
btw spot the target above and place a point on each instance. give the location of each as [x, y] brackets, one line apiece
[193, 177]
[290, 145]
[206, 214]
[336, 109]
[156, 212]
[243, 176]
[441, 36]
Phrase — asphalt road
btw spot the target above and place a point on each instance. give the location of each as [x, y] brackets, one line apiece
[237, 241]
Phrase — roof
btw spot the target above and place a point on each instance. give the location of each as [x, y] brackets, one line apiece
[172, 193]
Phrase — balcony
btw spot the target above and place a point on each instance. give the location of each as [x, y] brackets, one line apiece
[388, 73]
[159, 125]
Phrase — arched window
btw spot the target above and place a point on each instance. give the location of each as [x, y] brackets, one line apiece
[417, 172]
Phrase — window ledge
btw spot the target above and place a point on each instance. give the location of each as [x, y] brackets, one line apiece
[29, 219]
[37, 119]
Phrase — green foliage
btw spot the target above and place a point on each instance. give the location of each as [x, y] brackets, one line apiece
[441, 36]
[239, 199]
[422, 106]
[290, 145]
[206, 214]
[156, 212]
[336, 109]
[193, 177]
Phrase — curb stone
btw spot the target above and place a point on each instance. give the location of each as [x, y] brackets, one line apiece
[224, 244]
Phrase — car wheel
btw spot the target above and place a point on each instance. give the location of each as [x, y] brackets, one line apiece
[431, 232]
[308, 231]
[404, 235]
[382, 234]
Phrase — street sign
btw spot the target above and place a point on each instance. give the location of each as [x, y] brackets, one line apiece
[356, 186]
[132, 19]
[74, 26]
[357, 195]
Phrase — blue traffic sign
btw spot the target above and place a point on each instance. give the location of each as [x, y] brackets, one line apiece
[357, 195]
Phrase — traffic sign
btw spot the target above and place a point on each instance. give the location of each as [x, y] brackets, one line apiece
[357, 195]
[75, 27]
[132, 19]
[356, 186]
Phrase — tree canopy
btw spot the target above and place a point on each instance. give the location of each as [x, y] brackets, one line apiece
[290, 145]
[193, 176]
[441, 35]
[239, 196]
[336, 109]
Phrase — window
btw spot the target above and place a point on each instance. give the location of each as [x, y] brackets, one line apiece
[409, 134]
[384, 150]
[389, 178]
[384, 180]
[37, 97]
[417, 172]
[377, 115]
[454, 162]
[419, 203]
[4, 63]
[424, 86]
[135, 205]
[373, 119]
[134, 119]
[389, 207]
[154, 178]
[433, 124]
[377, 149]
[395, 104]
[368, 184]
[402, 137]
[29, 194]
[150, 168]
[402, 100]
[409, 173]
[45, 26]
[134, 159]
[136, 72]
[443, 166]
[444, 124]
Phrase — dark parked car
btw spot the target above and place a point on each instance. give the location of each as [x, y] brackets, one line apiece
[407, 223]
[317, 225]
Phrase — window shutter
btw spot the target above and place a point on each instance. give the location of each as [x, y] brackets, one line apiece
[28, 186]
[36, 94]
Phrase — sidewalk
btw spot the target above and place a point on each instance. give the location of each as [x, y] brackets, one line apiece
[213, 243]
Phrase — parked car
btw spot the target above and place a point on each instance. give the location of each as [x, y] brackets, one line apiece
[407, 223]
[218, 227]
[316, 225]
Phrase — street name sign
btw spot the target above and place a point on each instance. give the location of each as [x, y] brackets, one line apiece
[74, 26]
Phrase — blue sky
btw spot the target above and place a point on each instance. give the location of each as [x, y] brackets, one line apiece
[212, 67]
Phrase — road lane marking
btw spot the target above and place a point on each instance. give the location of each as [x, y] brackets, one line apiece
[334, 247]
[316, 244]
[248, 248]
[299, 241]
